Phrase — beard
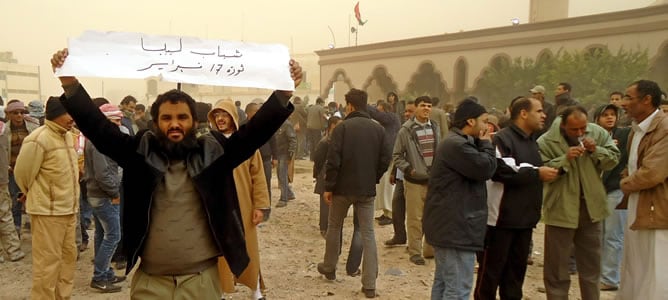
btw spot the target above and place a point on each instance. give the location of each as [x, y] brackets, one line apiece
[178, 150]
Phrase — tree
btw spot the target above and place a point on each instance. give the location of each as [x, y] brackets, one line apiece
[593, 73]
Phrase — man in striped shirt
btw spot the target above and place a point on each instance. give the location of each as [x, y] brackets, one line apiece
[413, 155]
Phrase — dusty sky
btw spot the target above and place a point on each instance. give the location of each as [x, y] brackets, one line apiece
[34, 29]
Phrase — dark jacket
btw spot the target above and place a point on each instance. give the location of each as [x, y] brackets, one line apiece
[550, 114]
[561, 102]
[621, 135]
[357, 157]
[210, 166]
[286, 140]
[127, 122]
[319, 159]
[611, 178]
[389, 121]
[268, 150]
[522, 198]
[455, 212]
[101, 175]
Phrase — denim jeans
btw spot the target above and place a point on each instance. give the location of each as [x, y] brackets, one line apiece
[17, 208]
[286, 191]
[454, 274]
[364, 209]
[355, 252]
[85, 212]
[107, 235]
[613, 240]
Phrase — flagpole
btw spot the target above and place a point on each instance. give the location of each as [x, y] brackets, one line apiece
[349, 30]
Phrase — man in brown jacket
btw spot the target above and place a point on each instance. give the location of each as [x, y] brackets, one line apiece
[251, 186]
[47, 172]
[646, 186]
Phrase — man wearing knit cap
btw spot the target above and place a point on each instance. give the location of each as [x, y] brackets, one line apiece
[455, 213]
[47, 172]
[20, 127]
[103, 183]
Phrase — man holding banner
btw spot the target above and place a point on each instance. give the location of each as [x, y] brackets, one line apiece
[181, 210]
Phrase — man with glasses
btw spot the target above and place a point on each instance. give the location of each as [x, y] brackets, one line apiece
[645, 182]
[20, 127]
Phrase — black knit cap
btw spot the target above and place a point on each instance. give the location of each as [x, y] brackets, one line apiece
[54, 108]
[468, 109]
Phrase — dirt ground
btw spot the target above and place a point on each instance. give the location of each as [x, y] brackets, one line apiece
[291, 247]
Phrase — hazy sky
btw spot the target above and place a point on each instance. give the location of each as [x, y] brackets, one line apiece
[34, 29]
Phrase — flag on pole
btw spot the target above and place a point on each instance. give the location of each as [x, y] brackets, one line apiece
[358, 16]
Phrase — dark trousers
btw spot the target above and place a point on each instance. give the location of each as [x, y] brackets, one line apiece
[503, 263]
[324, 214]
[559, 243]
[313, 136]
[17, 207]
[355, 252]
[85, 212]
[399, 211]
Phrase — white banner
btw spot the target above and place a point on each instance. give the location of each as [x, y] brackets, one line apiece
[178, 59]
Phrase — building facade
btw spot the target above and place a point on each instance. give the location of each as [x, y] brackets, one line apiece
[449, 66]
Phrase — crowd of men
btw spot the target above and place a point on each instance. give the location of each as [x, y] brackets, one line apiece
[475, 194]
[185, 188]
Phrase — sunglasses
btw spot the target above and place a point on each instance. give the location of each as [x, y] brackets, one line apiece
[19, 113]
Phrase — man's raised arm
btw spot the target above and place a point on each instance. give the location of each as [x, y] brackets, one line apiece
[105, 135]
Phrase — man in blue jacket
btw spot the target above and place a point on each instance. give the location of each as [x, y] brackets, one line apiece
[455, 212]
[181, 210]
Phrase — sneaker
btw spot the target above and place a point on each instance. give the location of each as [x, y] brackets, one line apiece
[18, 256]
[395, 242]
[117, 279]
[358, 272]
[385, 221]
[369, 293]
[605, 287]
[282, 204]
[417, 259]
[105, 286]
[328, 275]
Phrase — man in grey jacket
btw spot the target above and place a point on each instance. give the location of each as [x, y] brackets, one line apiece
[103, 183]
[413, 155]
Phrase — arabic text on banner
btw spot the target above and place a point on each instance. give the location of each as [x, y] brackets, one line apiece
[178, 59]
